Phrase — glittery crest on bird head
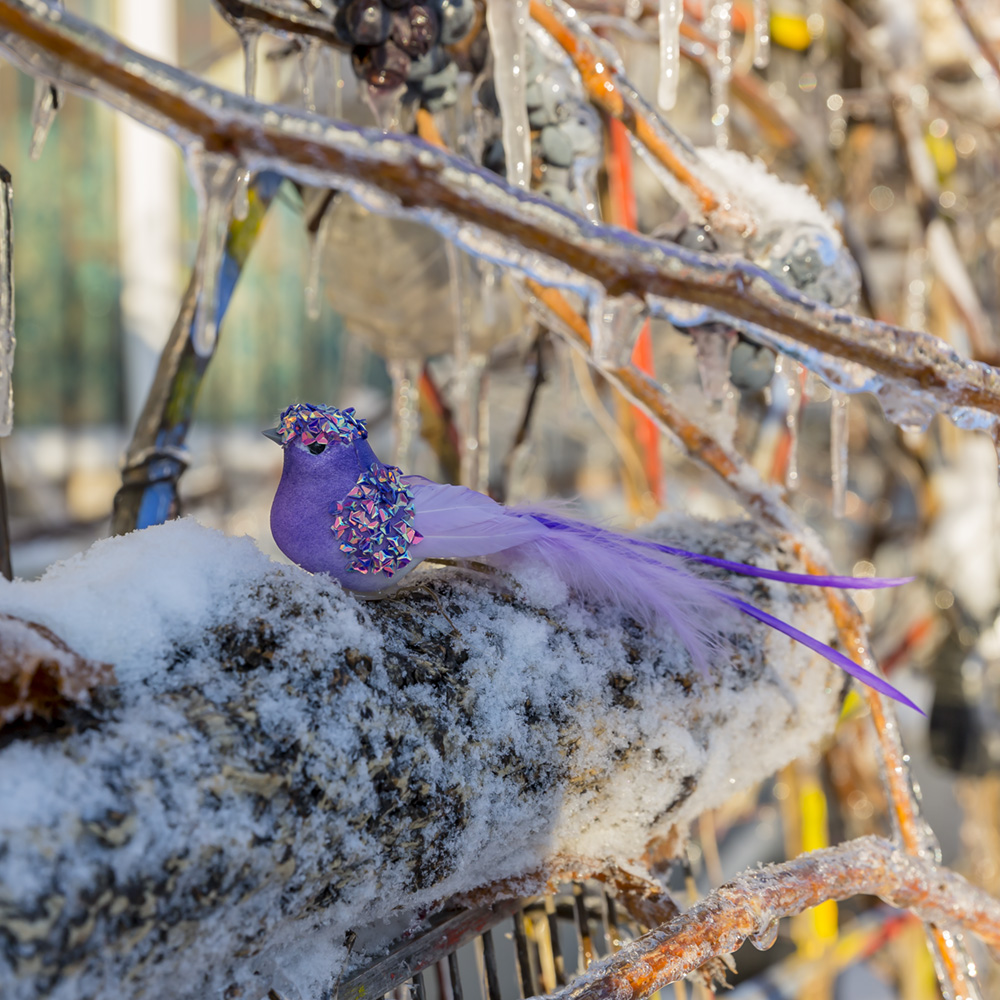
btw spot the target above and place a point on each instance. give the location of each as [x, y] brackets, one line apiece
[320, 424]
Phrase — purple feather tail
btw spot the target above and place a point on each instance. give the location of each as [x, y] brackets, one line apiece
[833, 655]
[803, 579]
[651, 580]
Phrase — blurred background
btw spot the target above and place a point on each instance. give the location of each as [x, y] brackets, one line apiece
[887, 111]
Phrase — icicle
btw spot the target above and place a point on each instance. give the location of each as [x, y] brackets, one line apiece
[214, 179]
[241, 195]
[719, 26]
[838, 451]
[308, 64]
[405, 377]
[314, 279]
[670, 16]
[6, 303]
[249, 37]
[788, 394]
[386, 104]
[714, 345]
[761, 33]
[615, 323]
[43, 114]
[337, 68]
[469, 368]
[507, 21]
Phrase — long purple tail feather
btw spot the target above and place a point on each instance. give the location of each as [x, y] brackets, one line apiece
[833, 655]
[645, 579]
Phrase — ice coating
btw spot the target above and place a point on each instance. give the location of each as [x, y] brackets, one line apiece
[761, 33]
[713, 346]
[43, 114]
[506, 21]
[669, 18]
[718, 25]
[787, 390]
[838, 451]
[7, 339]
[913, 373]
[530, 729]
[215, 180]
[615, 325]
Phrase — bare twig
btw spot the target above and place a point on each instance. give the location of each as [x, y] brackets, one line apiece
[462, 202]
[750, 905]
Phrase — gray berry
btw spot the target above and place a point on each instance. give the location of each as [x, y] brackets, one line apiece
[556, 146]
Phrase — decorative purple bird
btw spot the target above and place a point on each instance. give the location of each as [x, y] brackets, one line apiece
[341, 511]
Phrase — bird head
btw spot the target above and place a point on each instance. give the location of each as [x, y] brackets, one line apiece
[316, 438]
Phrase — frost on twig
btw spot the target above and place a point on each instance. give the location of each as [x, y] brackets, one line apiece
[280, 762]
[392, 173]
[750, 906]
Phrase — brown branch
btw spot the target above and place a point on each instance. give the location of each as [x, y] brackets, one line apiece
[749, 905]
[444, 189]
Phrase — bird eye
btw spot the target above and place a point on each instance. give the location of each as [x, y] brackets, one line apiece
[316, 448]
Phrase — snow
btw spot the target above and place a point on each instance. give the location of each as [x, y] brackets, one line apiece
[281, 761]
[776, 204]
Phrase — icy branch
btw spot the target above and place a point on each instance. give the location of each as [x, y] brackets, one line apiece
[394, 173]
[750, 906]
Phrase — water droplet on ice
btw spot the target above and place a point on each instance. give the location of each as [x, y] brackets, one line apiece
[765, 938]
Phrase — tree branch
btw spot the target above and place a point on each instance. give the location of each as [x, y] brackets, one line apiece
[749, 906]
[478, 210]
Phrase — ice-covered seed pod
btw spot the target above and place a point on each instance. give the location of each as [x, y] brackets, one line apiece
[438, 88]
[696, 236]
[751, 366]
[416, 30]
[366, 22]
[384, 66]
[457, 18]
[811, 259]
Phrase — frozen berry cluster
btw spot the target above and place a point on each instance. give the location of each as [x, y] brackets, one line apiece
[398, 42]
[566, 136]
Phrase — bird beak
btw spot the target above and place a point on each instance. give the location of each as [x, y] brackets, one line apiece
[274, 434]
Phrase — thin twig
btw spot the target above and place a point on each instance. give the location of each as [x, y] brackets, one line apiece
[749, 906]
[463, 203]
[985, 45]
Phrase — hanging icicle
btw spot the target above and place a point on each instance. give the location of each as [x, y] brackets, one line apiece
[214, 179]
[43, 114]
[405, 377]
[670, 16]
[761, 33]
[718, 25]
[838, 451]
[309, 64]
[714, 345]
[615, 324]
[787, 389]
[314, 277]
[6, 303]
[507, 23]
[469, 367]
